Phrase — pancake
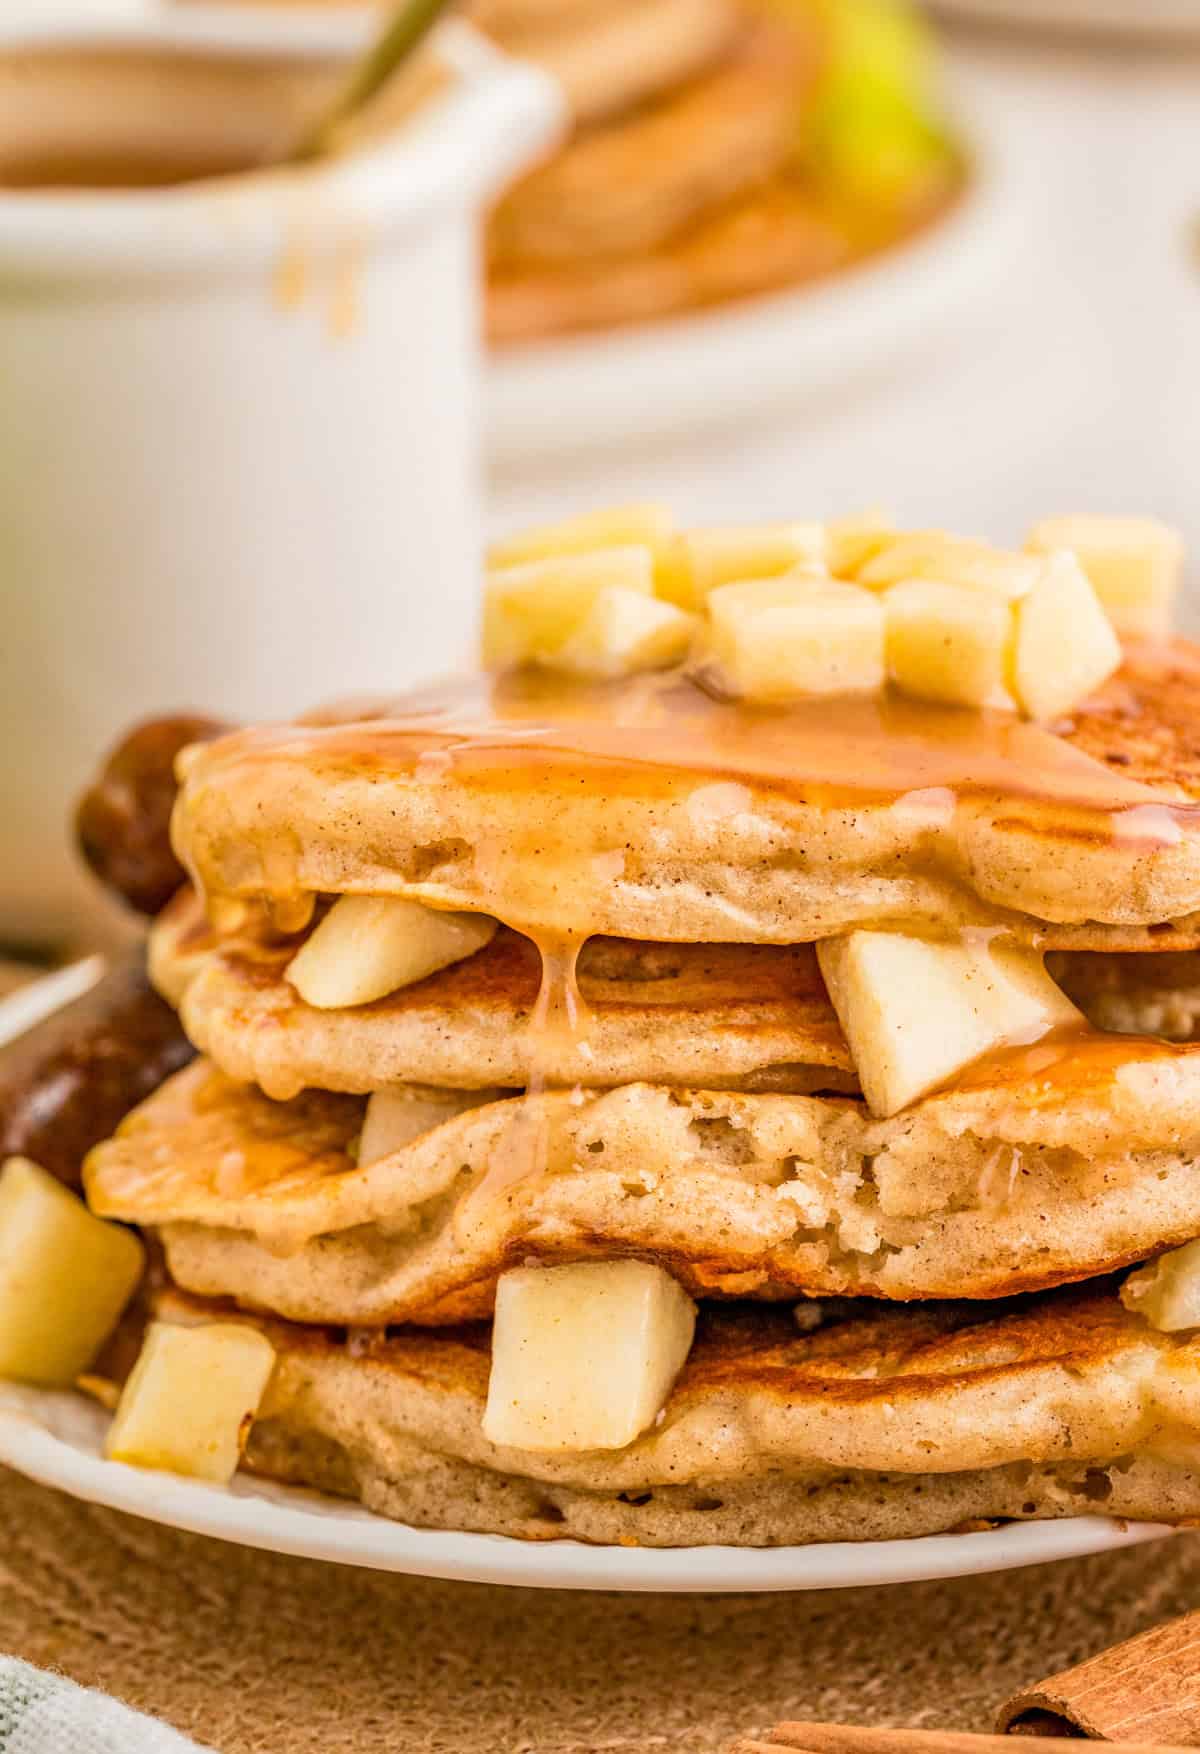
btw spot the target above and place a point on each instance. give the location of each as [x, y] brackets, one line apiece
[611, 58]
[720, 1016]
[624, 187]
[1039, 1166]
[723, 1016]
[649, 810]
[877, 1425]
[775, 235]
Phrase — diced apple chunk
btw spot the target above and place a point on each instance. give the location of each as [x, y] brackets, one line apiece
[948, 644]
[623, 526]
[65, 1277]
[1065, 645]
[950, 560]
[1134, 564]
[584, 1356]
[731, 553]
[776, 640]
[916, 1011]
[190, 1399]
[370, 945]
[530, 610]
[1167, 1292]
[394, 1118]
[624, 632]
[851, 542]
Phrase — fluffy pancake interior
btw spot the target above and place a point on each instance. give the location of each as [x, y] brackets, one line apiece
[1072, 1163]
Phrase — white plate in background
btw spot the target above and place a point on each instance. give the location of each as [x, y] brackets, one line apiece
[653, 381]
[1140, 18]
[55, 1438]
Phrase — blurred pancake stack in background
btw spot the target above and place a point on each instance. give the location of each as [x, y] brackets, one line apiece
[720, 149]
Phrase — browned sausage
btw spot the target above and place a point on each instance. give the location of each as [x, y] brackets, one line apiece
[123, 821]
[66, 1082]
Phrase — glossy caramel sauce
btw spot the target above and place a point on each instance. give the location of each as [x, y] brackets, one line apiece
[558, 1026]
[1064, 1062]
[664, 735]
[648, 732]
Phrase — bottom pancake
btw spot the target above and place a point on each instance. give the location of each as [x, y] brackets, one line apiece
[1053, 1163]
[877, 1425]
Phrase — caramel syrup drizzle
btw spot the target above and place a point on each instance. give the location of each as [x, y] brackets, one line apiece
[536, 1142]
[532, 731]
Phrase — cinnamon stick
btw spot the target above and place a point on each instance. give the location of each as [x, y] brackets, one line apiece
[1147, 1688]
[865, 1739]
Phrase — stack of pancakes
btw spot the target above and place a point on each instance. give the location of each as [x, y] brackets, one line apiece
[893, 1335]
[683, 181]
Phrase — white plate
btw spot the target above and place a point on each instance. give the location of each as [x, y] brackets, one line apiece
[55, 1438]
[1142, 18]
[37, 999]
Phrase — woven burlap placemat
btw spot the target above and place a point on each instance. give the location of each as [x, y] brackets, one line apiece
[258, 1654]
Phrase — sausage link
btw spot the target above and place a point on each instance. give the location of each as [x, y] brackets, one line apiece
[123, 820]
[68, 1081]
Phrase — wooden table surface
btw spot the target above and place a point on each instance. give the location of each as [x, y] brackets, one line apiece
[260, 1654]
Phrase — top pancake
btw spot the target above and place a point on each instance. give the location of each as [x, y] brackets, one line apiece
[646, 809]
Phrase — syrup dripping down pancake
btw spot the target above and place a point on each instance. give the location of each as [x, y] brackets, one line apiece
[649, 810]
[1041, 1165]
[882, 1423]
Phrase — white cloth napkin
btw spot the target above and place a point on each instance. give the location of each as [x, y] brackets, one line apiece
[47, 1714]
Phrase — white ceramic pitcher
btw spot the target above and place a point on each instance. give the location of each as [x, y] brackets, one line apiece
[239, 420]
